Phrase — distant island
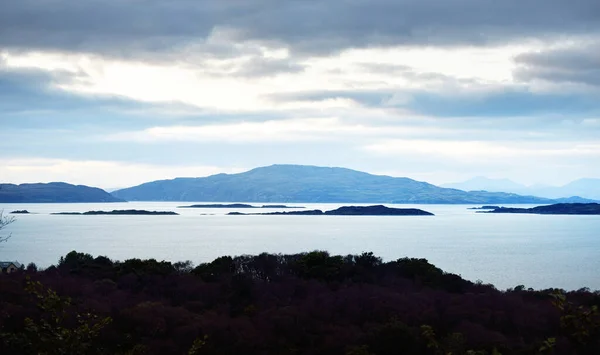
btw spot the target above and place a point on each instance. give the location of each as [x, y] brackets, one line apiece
[559, 208]
[20, 212]
[237, 205]
[378, 210]
[484, 208]
[580, 190]
[312, 184]
[54, 192]
[120, 212]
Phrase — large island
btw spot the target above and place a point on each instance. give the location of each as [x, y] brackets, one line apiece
[312, 184]
[559, 208]
[377, 210]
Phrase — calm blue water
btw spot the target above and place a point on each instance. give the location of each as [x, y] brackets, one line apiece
[503, 249]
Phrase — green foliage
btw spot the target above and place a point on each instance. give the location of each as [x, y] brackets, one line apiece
[183, 267]
[150, 267]
[367, 260]
[320, 265]
[214, 270]
[75, 260]
[197, 346]
[421, 271]
[548, 346]
[581, 324]
[393, 337]
[55, 332]
[452, 344]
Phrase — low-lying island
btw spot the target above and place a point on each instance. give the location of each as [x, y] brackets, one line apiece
[557, 209]
[378, 210]
[120, 213]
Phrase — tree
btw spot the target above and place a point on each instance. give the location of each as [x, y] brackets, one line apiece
[5, 221]
[58, 330]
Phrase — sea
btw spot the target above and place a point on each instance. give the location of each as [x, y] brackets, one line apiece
[506, 250]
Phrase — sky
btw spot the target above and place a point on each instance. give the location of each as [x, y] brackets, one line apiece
[114, 93]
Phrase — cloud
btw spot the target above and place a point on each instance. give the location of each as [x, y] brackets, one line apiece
[483, 151]
[291, 130]
[269, 79]
[260, 81]
[576, 64]
[143, 28]
[104, 174]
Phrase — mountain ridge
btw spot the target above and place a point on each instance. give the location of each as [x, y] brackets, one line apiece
[305, 183]
[585, 188]
[53, 192]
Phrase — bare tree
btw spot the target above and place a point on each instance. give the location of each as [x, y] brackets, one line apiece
[5, 221]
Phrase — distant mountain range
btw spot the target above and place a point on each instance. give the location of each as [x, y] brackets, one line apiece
[586, 188]
[53, 192]
[298, 183]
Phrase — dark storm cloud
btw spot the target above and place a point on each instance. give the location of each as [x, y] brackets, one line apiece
[574, 65]
[130, 27]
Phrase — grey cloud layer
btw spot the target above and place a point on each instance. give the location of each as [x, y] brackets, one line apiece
[575, 65]
[127, 27]
[197, 31]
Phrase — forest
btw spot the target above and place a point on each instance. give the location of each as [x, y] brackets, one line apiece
[308, 303]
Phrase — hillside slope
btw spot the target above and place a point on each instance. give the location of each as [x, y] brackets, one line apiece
[53, 192]
[298, 183]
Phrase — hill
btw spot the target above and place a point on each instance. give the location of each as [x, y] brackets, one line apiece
[582, 190]
[482, 183]
[298, 183]
[53, 192]
[589, 188]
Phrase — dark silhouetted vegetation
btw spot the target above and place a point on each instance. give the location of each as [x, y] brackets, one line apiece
[309, 303]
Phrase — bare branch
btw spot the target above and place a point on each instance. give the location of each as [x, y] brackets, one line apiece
[5, 221]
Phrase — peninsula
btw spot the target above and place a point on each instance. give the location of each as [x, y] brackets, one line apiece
[54, 192]
[559, 208]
